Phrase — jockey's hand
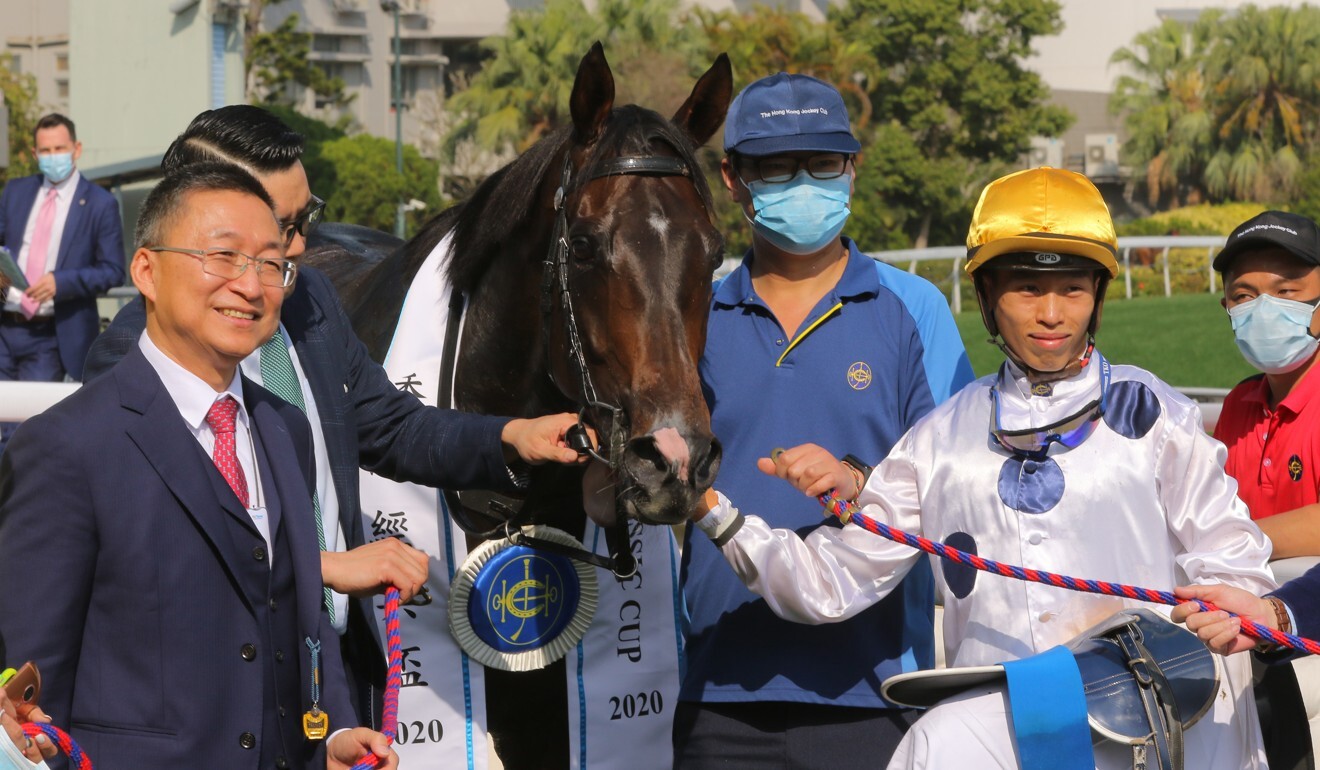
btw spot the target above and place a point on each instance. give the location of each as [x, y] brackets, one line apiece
[704, 506]
[34, 749]
[372, 568]
[1221, 633]
[542, 440]
[345, 748]
[813, 470]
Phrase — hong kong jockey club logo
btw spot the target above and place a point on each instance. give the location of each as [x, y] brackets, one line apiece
[1295, 468]
[527, 600]
[859, 376]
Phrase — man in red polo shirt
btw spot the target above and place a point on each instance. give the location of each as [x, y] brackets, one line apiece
[1271, 272]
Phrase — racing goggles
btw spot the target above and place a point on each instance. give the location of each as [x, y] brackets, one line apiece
[1070, 432]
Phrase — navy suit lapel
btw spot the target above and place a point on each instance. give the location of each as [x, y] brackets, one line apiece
[77, 210]
[22, 201]
[305, 321]
[288, 496]
[180, 461]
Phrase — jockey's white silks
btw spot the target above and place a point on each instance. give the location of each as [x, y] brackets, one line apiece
[622, 679]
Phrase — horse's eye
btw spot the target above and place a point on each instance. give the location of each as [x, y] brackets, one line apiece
[582, 248]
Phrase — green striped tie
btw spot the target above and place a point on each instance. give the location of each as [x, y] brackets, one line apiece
[278, 377]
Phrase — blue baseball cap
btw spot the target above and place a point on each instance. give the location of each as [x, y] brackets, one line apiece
[788, 113]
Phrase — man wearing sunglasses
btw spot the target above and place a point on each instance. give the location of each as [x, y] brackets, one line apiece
[358, 417]
[847, 352]
[1059, 461]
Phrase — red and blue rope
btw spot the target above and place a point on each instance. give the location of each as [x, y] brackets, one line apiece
[77, 758]
[846, 512]
[393, 678]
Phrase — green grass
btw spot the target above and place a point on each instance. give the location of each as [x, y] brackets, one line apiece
[1184, 339]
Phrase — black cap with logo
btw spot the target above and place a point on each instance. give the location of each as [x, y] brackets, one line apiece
[1294, 233]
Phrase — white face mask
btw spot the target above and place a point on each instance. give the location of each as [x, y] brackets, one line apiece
[1274, 334]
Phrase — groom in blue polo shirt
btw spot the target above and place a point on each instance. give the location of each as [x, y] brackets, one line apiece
[808, 340]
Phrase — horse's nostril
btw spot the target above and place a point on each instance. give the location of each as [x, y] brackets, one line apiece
[707, 464]
[647, 451]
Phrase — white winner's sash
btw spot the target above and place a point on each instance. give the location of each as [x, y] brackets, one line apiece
[622, 678]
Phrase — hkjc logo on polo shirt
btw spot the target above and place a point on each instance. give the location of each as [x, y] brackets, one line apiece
[1295, 468]
[859, 376]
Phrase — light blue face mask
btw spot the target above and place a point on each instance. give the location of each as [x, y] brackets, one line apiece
[1274, 334]
[802, 215]
[56, 167]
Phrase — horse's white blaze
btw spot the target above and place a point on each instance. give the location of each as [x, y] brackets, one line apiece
[659, 224]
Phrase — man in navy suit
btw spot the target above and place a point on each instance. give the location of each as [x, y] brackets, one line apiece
[167, 507]
[64, 234]
[359, 418]
[83, 257]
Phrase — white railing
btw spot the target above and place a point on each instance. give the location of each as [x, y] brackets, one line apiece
[21, 400]
[1211, 244]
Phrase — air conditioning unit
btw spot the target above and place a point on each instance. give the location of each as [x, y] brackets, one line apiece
[1045, 151]
[1101, 156]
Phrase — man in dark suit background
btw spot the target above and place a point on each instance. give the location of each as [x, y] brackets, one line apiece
[358, 417]
[64, 234]
[168, 506]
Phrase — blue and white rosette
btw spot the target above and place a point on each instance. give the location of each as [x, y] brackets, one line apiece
[517, 608]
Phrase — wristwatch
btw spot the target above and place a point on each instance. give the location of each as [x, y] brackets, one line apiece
[856, 464]
[862, 469]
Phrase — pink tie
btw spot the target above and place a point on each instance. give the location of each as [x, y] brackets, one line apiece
[36, 259]
[221, 420]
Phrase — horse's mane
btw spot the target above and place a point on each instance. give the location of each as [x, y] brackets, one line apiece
[500, 206]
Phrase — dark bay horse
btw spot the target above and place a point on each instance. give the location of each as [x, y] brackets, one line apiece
[586, 268]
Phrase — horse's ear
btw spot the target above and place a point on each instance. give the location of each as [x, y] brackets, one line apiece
[703, 112]
[593, 95]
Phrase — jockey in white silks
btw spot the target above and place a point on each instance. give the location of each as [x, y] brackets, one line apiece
[1059, 461]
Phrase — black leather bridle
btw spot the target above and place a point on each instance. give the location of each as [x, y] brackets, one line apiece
[555, 288]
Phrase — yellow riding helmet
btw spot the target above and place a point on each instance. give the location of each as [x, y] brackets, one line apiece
[1045, 210]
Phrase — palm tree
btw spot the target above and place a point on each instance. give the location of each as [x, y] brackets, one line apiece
[521, 93]
[1162, 97]
[1264, 78]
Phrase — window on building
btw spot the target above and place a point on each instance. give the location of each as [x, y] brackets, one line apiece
[326, 43]
[62, 89]
[410, 84]
[61, 62]
[16, 64]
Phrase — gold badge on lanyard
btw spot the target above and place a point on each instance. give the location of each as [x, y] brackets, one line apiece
[316, 723]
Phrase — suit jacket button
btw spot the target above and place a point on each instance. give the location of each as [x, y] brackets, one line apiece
[247, 741]
[248, 651]
[283, 713]
[272, 604]
[281, 763]
[259, 553]
[279, 656]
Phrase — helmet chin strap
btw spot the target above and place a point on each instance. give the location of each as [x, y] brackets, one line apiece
[1036, 376]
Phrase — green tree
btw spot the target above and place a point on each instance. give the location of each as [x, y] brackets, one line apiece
[951, 79]
[1264, 75]
[521, 94]
[279, 64]
[1162, 98]
[360, 184]
[20, 96]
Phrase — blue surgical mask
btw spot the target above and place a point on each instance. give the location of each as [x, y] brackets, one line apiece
[56, 167]
[802, 215]
[1274, 334]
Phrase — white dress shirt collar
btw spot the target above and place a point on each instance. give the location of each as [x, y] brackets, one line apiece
[191, 394]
